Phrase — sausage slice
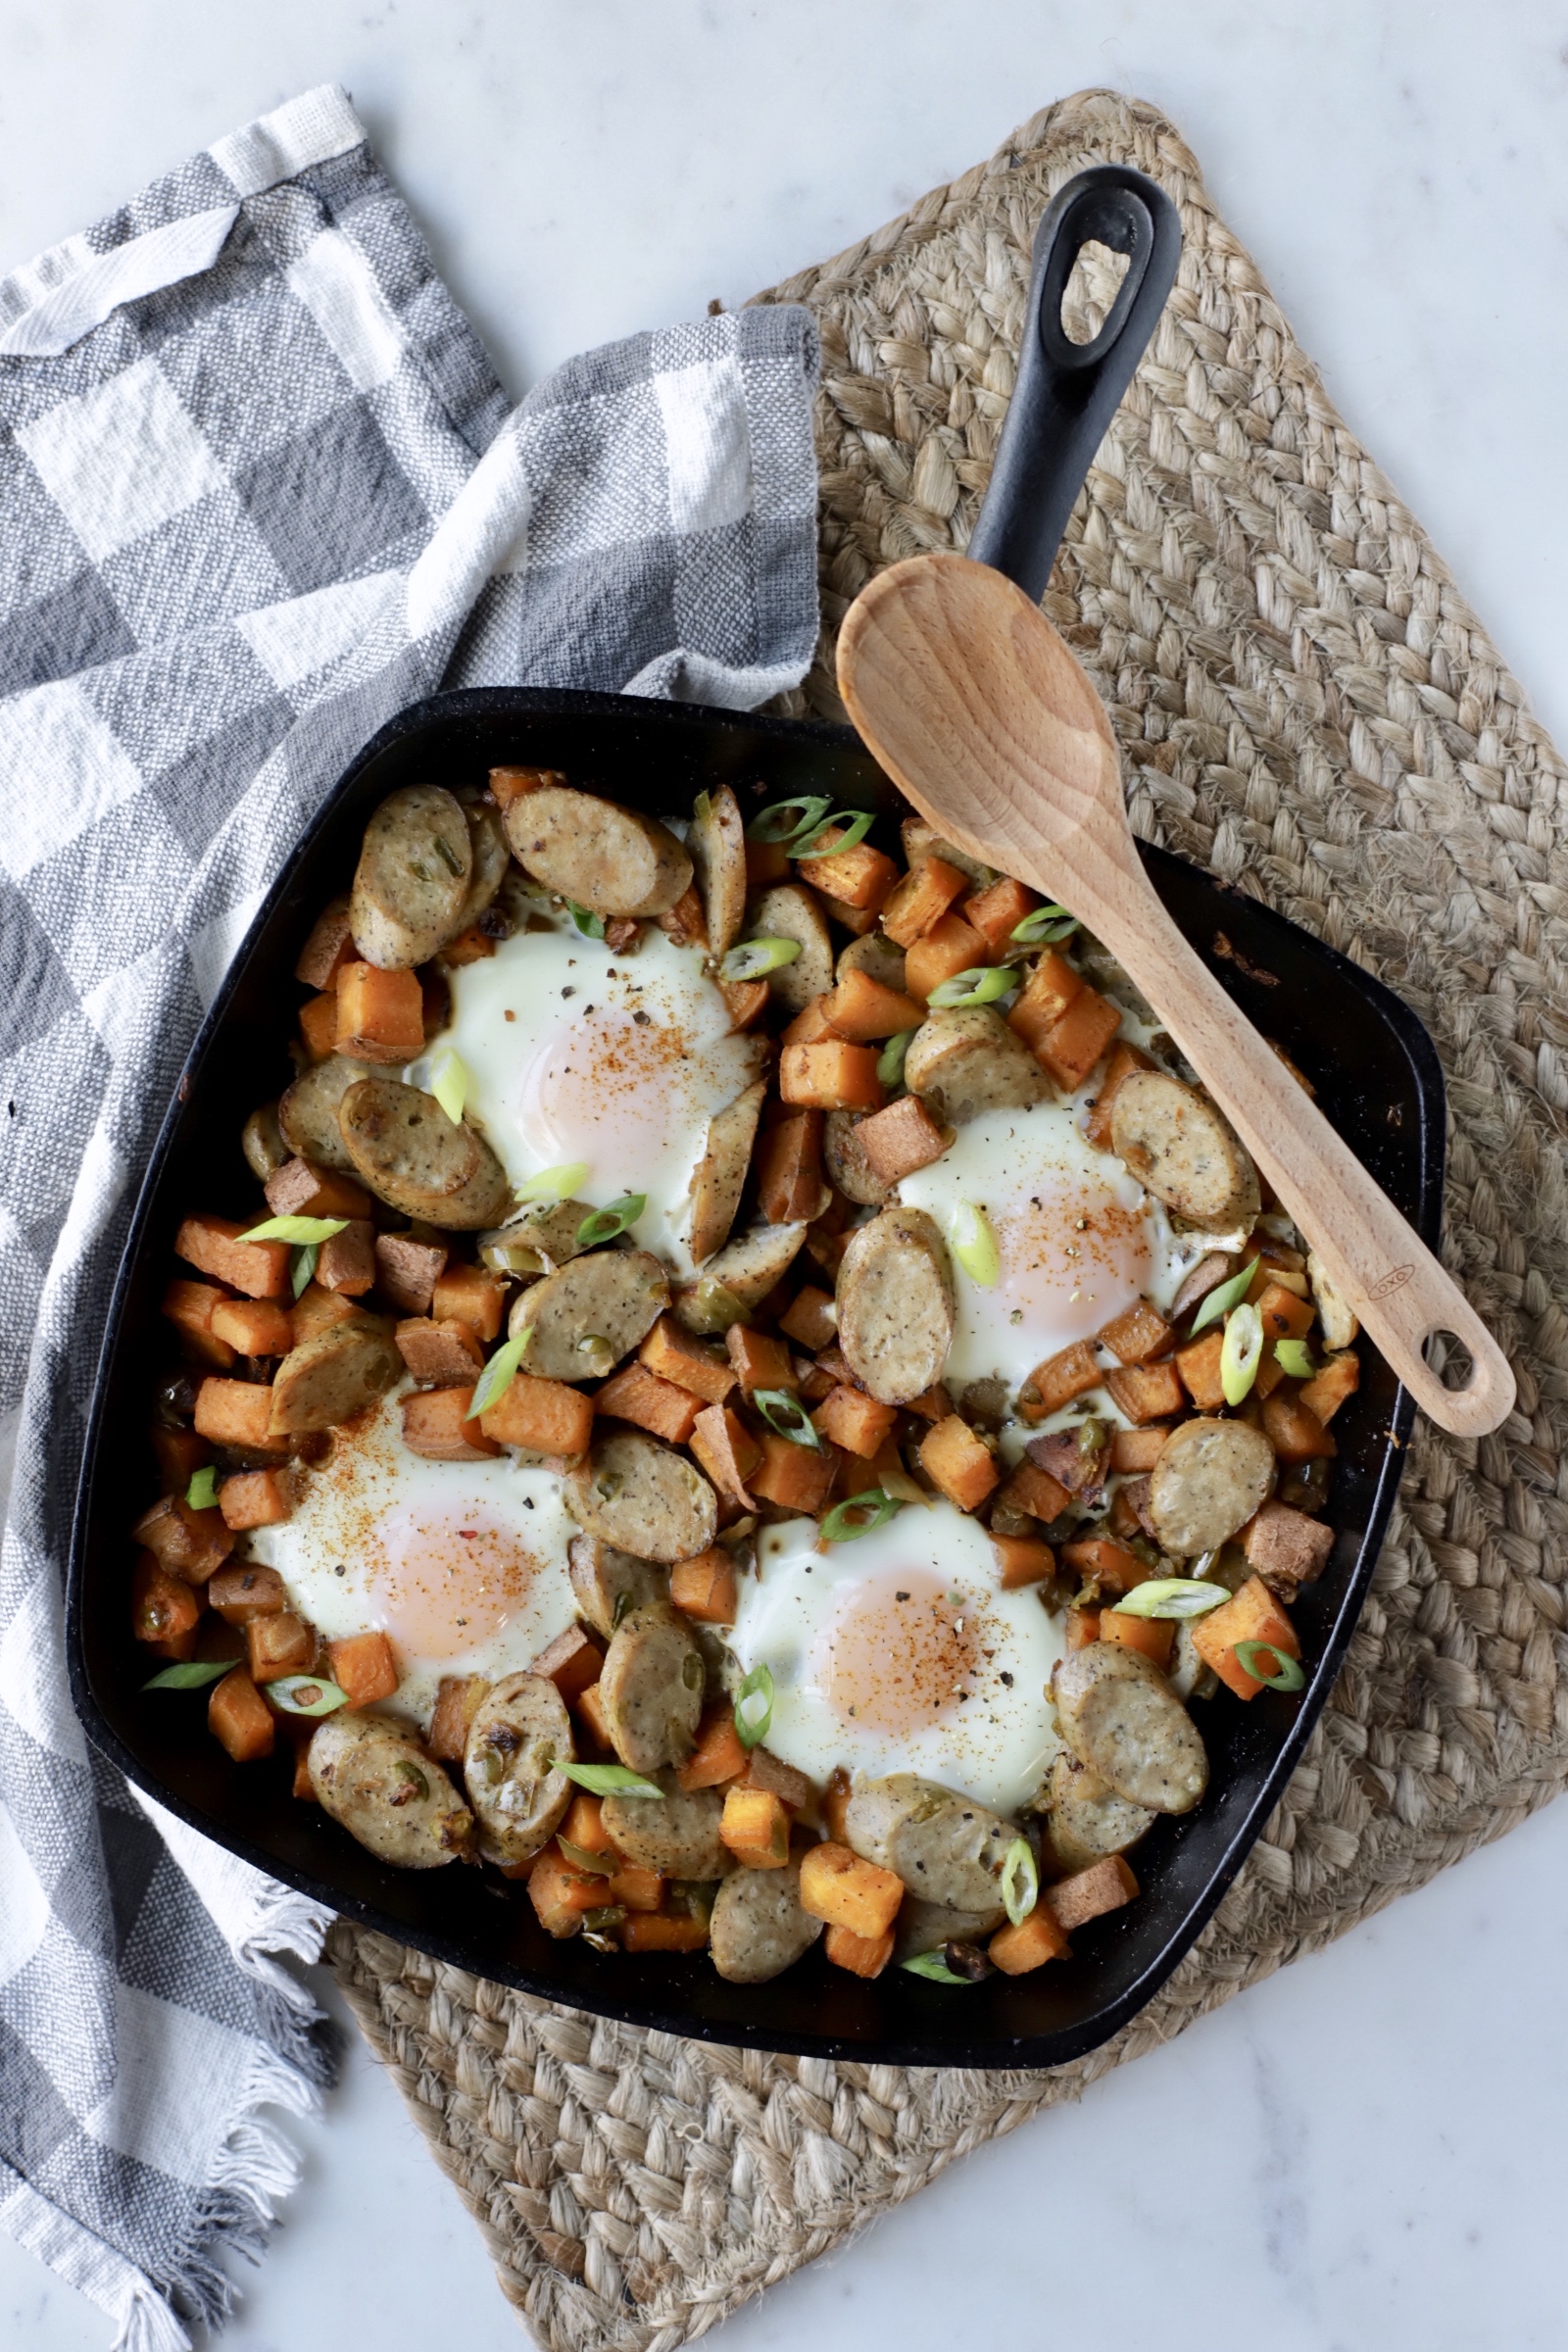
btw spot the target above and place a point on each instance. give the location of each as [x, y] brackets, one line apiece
[845, 1158]
[372, 1776]
[789, 912]
[895, 1300]
[606, 1584]
[946, 1848]
[412, 878]
[759, 1928]
[967, 1061]
[677, 1835]
[412, 1155]
[611, 859]
[1181, 1148]
[643, 1498]
[1209, 1479]
[306, 1114]
[332, 1376]
[492, 856]
[717, 843]
[651, 1690]
[1088, 1820]
[720, 1175]
[582, 1320]
[736, 1277]
[923, 1927]
[1121, 1718]
[520, 1728]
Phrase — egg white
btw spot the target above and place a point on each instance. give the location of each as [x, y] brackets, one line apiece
[378, 1542]
[619, 1060]
[949, 1680]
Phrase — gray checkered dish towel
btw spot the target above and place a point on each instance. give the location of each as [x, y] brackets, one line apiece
[259, 488]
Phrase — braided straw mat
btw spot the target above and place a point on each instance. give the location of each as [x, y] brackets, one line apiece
[1309, 709]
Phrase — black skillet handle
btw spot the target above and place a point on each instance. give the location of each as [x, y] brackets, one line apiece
[1067, 393]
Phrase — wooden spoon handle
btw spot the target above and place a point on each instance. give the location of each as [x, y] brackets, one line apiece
[1375, 1260]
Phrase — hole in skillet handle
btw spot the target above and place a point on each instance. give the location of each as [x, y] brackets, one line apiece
[1450, 1360]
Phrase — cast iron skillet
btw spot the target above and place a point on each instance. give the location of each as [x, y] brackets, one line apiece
[1377, 1078]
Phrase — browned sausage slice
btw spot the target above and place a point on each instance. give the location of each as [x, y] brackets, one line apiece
[759, 1928]
[332, 1376]
[895, 1300]
[520, 1731]
[414, 870]
[1120, 1716]
[1209, 1478]
[611, 860]
[415, 1158]
[677, 1835]
[372, 1776]
[643, 1498]
[651, 1689]
[1178, 1145]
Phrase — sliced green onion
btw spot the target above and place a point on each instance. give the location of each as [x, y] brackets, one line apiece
[1223, 1298]
[605, 1780]
[448, 1083]
[307, 1695]
[190, 1674]
[932, 1964]
[974, 1244]
[302, 1231]
[447, 854]
[754, 958]
[856, 829]
[499, 1374]
[589, 924]
[1250, 1657]
[1241, 1352]
[787, 818]
[602, 1866]
[1020, 1882]
[754, 1707]
[1294, 1358]
[1171, 1597]
[861, 1515]
[202, 1492]
[787, 1416]
[605, 1224]
[982, 986]
[890, 1061]
[553, 1184]
[1035, 928]
[302, 1268]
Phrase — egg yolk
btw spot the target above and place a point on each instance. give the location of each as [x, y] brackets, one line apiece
[610, 1085]
[899, 1653]
[442, 1581]
[1070, 1255]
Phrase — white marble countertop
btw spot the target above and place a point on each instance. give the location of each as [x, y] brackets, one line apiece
[1367, 2150]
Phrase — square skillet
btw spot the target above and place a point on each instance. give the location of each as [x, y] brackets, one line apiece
[1378, 1080]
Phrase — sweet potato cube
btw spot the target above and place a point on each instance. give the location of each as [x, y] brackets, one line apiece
[831, 1076]
[1040, 1938]
[793, 1478]
[407, 1268]
[253, 1326]
[726, 1450]
[318, 1025]
[718, 1755]
[1116, 1567]
[212, 1244]
[1089, 1894]
[240, 1719]
[768, 1771]
[256, 1498]
[1283, 1315]
[180, 1453]
[457, 1698]
[900, 1139]
[919, 902]
[470, 947]
[363, 1667]
[189, 1544]
[859, 876]
[1139, 1333]
[1083, 1627]
[949, 948]
[766, 861]
[1124, 1059]
[1150, 1636]
[1071, 1047]
[705, 1586]
[857, 1422]
[810, 1025]
[1199, 1365]
[640, 1397]
[997, 911]
[664, 1932]
[509, 784]
[745, 1000]
[1146, 1392]
[345, 1263]
[315, 1309]
[861, 1955]
[1253, 1614]
[932, 1405]
[838, 1886]
[380, 1015]
[447, 1356]
[470, 1294]
[811, 1320]
[957, 1463]
[756, 1827]
[278, 1644]
[790, 1186]
[638, 1889]
[1057, 1382]
[329, 947]
[1286, 1547]
[571, 1661]
[561, 1894]
[865, 1009]
[191, 1306]
[1035, 1491]
[248, 1589]
[1291, 1428]
[1022, 1561]
[590, 1713]
[759, 1362]
[546, 1416]
[163, 1606]
[1134, 1451]
[1048, 992]
[672, 1353]
[437, 1424]
[684, 922]
[584, 1824]
[237, 1412]
[1339, 1377]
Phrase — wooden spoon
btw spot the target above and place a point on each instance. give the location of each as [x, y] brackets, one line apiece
[977, 709]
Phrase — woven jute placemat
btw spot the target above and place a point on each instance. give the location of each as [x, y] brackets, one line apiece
[1308, 707]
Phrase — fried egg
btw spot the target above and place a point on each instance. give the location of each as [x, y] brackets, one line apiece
[573, 1053]
[462, 1564]
[899, 1653]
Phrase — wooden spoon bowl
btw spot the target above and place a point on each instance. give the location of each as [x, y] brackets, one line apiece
[971, 702]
